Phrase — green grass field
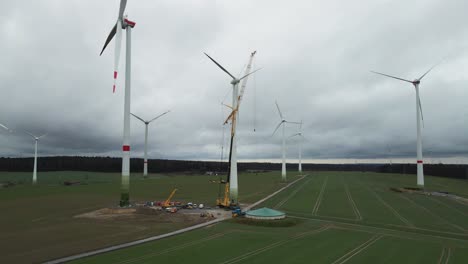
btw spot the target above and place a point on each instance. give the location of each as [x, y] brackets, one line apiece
[344, 217]
[37, 222]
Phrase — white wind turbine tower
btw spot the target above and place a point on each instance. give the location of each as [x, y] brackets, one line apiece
[36, 139]
[301, 140]
[236, 99]
[282, 123]
[419, 118]
[145, 164]
[123, 23]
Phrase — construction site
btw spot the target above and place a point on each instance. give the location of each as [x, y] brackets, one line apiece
[169, 210]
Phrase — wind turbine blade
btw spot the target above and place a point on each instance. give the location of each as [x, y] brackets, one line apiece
[250, 73]
[123, 3]
[118, 44]
[42, 136]
[221, 67]
[229, 117]
[437, 64]
[297, 123]
[228, 106]
[159, 116]
[29, 134]
[297, 134]
[277, 128]
[392, 76]
[279, 111]
[109, 38]
[141, 119]
[6, 128]
[420, 109]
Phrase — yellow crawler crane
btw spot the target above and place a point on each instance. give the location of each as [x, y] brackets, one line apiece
[223, 200]
[167, 203]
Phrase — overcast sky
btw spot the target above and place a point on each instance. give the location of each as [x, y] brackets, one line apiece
[315, 55]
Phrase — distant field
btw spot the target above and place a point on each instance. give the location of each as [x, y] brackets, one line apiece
[37, 222]
[345, 217]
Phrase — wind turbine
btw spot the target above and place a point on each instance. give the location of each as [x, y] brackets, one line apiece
[36, 139]
[236, 99]
[145, 165]
[300, 145]
[123, 23]
[282, 123]
[419, 118]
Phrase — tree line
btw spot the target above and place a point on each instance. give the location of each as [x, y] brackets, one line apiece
[112, 164]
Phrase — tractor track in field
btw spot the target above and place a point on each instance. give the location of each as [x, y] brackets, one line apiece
[357, 250]
[461, 202]
[395, 212]
[168, 250]
[320, 197]
[102, 238]
[445, 256]
[281, 203]
[359, 227]
[274, 245]
[432, 214]
[448, 206]
[351, 201]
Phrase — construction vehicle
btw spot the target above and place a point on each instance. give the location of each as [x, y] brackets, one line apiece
[167, 203]
[223, 197]
[236, 211]
[171, 209]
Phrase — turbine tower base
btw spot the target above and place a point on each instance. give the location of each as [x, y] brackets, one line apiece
[124, 199]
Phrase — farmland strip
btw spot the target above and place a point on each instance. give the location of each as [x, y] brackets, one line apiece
[281, 203]
[431, 213]
[404, 220]
[448, 206]
[357, 250]
[351, 201]
[142, 257]
[319, 198]
[441, 258]
[273, 194]
[274, 245]
[449, 253]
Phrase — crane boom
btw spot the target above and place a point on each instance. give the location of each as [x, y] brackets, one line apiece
[244, 81]
[168, 200]
[241, 94]
[223, 199]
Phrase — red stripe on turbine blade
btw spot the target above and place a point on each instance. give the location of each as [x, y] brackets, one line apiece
[115, 75]
[113, 89]
[126, 148]
[420, 161]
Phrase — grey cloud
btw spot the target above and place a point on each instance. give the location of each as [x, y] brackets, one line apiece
[316, 57]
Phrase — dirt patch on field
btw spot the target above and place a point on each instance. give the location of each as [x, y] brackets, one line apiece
[157, 215]
[428, 193]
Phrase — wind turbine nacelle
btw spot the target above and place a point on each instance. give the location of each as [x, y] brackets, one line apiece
[128, 23]
[234, 81]
[416, 81]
